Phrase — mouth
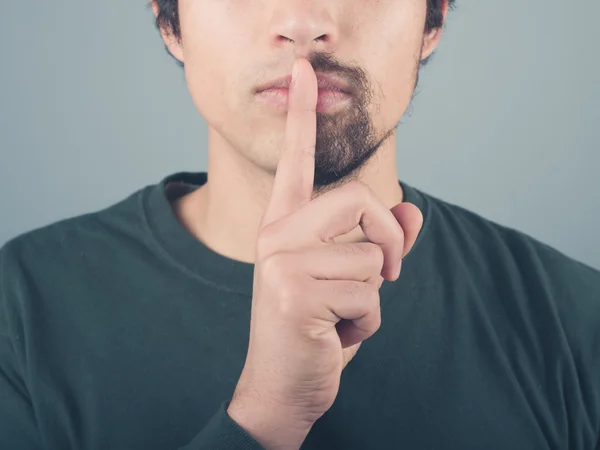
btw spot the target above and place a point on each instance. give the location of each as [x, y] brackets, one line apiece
[324, 82]
[327, 99]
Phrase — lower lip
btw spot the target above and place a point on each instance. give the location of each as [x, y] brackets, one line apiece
[326, 100]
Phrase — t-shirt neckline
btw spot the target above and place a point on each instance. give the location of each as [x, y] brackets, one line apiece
[192, 256]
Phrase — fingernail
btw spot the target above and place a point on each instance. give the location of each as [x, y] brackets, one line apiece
[295, 71]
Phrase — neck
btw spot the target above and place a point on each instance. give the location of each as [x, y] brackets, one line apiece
[225, 212]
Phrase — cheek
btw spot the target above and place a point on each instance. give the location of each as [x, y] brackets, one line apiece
[391, 44]
[394, 68]
[220, 35]
[209, 55]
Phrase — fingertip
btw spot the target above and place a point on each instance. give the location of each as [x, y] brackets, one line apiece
[391, 273]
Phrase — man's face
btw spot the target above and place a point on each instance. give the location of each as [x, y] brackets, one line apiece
[230, 47]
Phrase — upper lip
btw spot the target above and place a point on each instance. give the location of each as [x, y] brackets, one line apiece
[324, 81]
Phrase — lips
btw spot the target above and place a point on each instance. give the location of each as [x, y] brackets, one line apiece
[324, 82]
[328, 100]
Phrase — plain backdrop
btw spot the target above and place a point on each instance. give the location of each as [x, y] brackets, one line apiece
[506, 122]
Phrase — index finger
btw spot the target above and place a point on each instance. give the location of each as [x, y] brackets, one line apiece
[294, 179]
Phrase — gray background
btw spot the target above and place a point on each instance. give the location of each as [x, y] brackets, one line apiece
[506, 122]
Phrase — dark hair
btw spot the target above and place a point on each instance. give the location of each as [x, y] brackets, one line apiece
[168, 19]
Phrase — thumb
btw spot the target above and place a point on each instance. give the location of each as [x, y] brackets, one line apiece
[410, 218]
[349, 352]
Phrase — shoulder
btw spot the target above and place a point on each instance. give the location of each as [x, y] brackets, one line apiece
[529, 273]
[66, 240]
[516, 251]
[540, 306]
[53, 260]
[42, 252]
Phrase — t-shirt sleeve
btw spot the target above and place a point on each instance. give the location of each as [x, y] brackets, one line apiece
[577, 295]
[583, 333]
[223, 433]
[18, 427]
[18, 430]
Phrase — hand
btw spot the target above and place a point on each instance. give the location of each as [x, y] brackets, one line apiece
[314, 301]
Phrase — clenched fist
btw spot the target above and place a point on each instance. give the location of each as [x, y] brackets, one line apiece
[314, 301]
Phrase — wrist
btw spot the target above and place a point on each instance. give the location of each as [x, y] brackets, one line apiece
[272, 426]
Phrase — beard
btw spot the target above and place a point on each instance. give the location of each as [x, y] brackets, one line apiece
[345, 143]
[346, 140]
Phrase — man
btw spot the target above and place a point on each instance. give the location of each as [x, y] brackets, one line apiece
[300, 296]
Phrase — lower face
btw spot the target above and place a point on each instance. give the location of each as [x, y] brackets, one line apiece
[228, 51]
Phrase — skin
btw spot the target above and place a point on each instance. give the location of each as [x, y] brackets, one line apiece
[321, 246]
[314, 301]
[229, 47]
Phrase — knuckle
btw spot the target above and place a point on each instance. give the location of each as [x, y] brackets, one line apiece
[359, 291]
[374, 313]
[376, 309]
[376, 321]
[374, 253]
[266, 240]
[372, 295]
[351, 250]
[284, 288]
[289, 303]
[352, 289]
[263, 246]
[273, 268]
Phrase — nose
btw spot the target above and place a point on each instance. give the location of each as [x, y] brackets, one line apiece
[301, 23]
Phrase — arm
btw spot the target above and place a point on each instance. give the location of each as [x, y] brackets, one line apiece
[18, 428]
[19, 431]
[250, 424]
[18, 424]
[223, 433]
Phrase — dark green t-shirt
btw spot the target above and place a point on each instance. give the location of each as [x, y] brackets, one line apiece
[120, 330]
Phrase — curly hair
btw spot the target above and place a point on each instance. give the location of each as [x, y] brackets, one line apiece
[167, 19]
